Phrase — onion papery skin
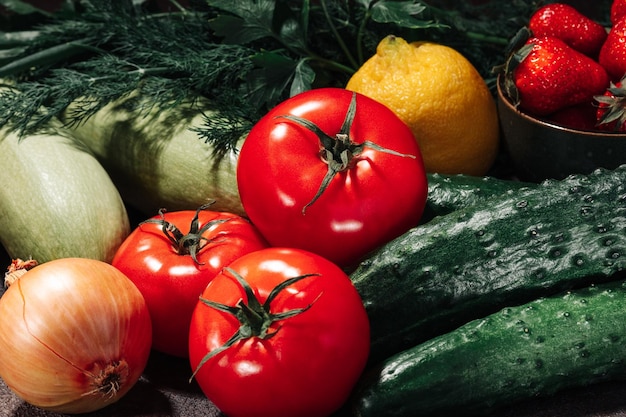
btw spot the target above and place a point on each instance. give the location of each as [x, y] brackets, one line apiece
[63, 325]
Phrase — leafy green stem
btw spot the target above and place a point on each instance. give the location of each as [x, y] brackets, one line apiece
[448, 15]
[46, 57]
[141, 72]
[312, 56]
[497, 40]
[338, 37]
[359, 37]
[329, 63]
[17, 38]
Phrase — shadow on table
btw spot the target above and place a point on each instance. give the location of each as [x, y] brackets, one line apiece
[143, 400]
[164, 390]
[170, 373]
[598, 400]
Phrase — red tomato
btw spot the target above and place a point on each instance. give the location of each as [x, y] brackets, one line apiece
[164, 269]
[301, 365]
[373, 197]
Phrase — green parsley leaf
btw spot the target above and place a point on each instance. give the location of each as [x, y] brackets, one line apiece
[303, 78]
[401, 13]
[271, 77]
[250, 20]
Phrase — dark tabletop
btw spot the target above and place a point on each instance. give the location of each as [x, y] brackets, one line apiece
[164, 391]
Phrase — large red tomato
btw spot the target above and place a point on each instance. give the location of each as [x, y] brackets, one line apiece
[172, 257]
[333, 172]
[286, 333]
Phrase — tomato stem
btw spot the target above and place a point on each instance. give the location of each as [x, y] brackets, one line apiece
[338, 152]
[255, 319]
[194, 241]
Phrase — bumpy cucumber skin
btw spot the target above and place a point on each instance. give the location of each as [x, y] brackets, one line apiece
[448, 193]
[535, 349]
[504, 251]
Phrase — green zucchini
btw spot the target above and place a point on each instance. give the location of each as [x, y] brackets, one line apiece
[504, 251]
[522, 352]
[447, 193]
[56, 200]
[156, 159]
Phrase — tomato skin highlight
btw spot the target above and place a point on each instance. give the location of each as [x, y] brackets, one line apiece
[379, 197]
[170, 282]
[309, 366]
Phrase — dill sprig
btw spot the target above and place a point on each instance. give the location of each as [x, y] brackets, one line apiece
[112, 51]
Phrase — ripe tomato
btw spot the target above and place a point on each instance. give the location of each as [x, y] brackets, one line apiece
[299, 354]
[172, 257]
[333, 172]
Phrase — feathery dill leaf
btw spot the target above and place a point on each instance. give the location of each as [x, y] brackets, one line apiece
[170, 57]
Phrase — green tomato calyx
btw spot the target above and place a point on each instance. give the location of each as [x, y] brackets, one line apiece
[255, 318]
[338, 152]
[193, 242]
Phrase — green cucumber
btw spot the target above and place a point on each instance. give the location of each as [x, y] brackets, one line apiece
[523, 352]
[504, 251]
[448, 193]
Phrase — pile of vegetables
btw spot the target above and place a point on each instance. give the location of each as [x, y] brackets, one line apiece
[205, 197]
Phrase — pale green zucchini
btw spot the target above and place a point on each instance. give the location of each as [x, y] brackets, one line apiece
[157, 161]
[56, 200]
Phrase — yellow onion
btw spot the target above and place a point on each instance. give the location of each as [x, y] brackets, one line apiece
[75, 335]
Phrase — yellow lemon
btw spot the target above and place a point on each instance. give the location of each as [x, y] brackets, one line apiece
[441, 96]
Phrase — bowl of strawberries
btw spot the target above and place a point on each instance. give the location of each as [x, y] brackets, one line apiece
[562, 93]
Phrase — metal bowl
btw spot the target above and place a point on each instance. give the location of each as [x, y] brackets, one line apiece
[540, 150]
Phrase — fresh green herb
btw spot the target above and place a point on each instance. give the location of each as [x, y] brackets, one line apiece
[21, 7]
[243, 55]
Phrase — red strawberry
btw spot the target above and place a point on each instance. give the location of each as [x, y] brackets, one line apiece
[611, 113]
[568, 24]
[618, 9]
[580, 116]
[548, 75]
[613, 53]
